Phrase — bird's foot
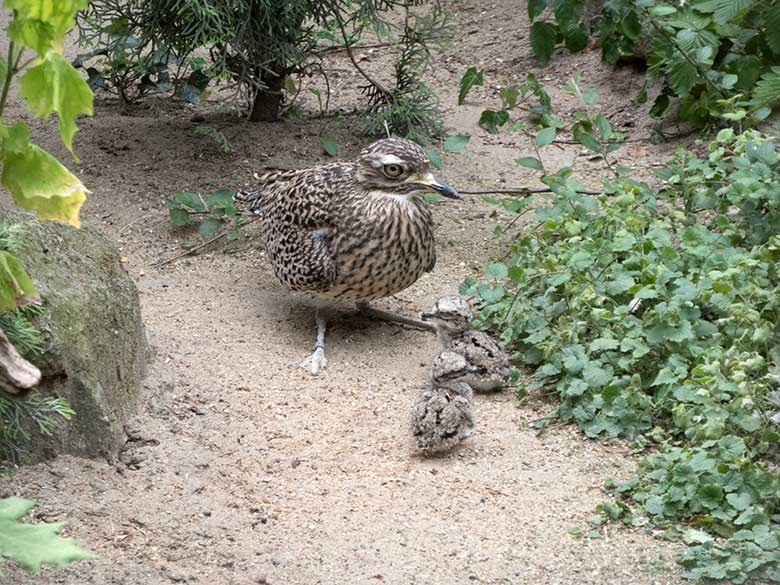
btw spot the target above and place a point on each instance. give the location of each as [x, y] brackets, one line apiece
[316, 361]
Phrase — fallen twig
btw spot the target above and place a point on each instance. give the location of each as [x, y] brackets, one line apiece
[527, 191]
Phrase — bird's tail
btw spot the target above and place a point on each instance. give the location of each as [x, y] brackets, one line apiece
[249, 200]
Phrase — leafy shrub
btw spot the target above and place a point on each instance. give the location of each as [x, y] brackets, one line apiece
[651, 314]
[716, 56]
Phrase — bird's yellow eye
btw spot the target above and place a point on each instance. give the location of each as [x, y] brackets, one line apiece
[393, 171]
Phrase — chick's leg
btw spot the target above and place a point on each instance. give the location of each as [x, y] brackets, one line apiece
[317, 361]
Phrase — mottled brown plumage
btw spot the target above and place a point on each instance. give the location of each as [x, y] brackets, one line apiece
[443, 415]
[452, 318]
[355, 231]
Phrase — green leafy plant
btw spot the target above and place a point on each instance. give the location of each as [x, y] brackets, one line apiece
[650, 314]
[715, 56]
[34, 545]
[215, 211]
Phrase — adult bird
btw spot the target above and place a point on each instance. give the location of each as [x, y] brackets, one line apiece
[350, 231]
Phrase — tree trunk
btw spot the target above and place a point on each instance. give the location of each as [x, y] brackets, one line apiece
[16, 373]
[268, 101]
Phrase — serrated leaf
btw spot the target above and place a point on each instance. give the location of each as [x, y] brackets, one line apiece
[34, 545]
[209, 226]
[16, 287]
[767, 91]
[179, 217]
[545, 136]
[55, 86]
[471, 78]
[329, 144]
[39, 182]
[725, 11]
[456, 143]
[543, 38]
[32, 33]
[58, 14]
[497, 271]
[530, 162]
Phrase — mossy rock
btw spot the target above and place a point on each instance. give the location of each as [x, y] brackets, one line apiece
[96, 348]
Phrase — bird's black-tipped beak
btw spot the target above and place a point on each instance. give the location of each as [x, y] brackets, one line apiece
[442, 188]
[426, 315]
[471, 369]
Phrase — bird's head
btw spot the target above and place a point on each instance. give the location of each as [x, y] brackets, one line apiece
[449, 367]
[450, 314]
[398, 167]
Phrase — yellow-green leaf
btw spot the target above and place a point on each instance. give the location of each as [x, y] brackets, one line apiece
[58, 14]
[39, 182]
[33, 33]
[55, 86]
[16, 287]
[15, 138]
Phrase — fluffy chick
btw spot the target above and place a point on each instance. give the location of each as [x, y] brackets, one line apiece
[443, 415]
[451, 316]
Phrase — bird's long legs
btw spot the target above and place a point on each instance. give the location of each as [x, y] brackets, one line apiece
[393, 318]
[317, 361]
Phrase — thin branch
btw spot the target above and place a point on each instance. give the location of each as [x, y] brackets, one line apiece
[527, 191]
[206, 243]
[381, 88]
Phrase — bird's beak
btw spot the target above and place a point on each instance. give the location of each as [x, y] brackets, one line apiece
[426, 315]
[475, 369]
[443, 188]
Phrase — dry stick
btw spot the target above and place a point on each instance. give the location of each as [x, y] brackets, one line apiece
[382, 89]
[206, 243]
[527, 191]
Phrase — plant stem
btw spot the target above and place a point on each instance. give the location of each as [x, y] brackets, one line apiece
[9, 75]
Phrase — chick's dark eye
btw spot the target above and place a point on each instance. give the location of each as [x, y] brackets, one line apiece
[393, 170]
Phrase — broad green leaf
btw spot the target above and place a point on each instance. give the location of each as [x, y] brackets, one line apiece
[434, 158]
[179, 217]
[33, 545]
[55, 86]
[724, 11]
[536, 7]
[662, 10]
[530, 162]
[39, 182]
[543, 38]
[545, 136]
[329, 144]
[509, 95]
[767, 91]
[30, 32]
[472, 77]
[456, 143]
[15, 138]
[492, 120]
[497, 271]
[209, 226]
[58, 14]
[16, 287]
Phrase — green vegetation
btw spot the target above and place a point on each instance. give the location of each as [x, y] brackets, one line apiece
[650, 314]
[717, 57]
[263, 50]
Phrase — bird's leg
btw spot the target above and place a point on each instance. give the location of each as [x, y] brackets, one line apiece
[317, 361]
[393, 318]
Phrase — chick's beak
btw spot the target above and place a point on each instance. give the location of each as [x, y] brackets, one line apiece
[442, 188]
[426, 315]
[473, 369]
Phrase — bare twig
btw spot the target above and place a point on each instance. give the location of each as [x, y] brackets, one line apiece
[206, 243]
[527, 191]
[388, 95]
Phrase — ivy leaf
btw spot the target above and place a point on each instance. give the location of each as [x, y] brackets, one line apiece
[456, 143]
[530, 162]
[492, 120]
[55, 86]
[472, 77]
[33, 545]
[545, 136]
[39, 182]
[16, 287]
[543, 38]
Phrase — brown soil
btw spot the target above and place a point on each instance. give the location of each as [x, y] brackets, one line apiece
[242, 468]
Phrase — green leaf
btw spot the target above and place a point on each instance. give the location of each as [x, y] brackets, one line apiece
[725, 11]
[32, 33]
[740, 501]
[33, 545]
[16, 138]
[456, 143]
[530, 162]
[492, 120]
[55, 86]
[767, 91]
[58, 14]
[535, 8]
[209, 226]
[179, 217]
[545, 136]
[509, 95]
[38, 182]
[472, 77]
[329, 144]
[435, 158]
[496, 271]
[16, 287]
[543, 38]
[662, 10]
[597, 376]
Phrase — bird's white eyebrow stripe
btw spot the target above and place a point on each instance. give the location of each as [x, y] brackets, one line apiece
[391, 159]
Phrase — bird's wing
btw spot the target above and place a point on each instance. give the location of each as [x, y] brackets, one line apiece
[297, 222]
[481, 349]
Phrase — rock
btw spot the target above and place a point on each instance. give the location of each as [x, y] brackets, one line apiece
[96, 348]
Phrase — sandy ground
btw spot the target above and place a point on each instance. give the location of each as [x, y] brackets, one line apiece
[242, 468]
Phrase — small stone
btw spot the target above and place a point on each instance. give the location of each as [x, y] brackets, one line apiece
[295, 463]
[198, 119]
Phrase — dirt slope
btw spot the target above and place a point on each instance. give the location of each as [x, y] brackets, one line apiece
[242, 468]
